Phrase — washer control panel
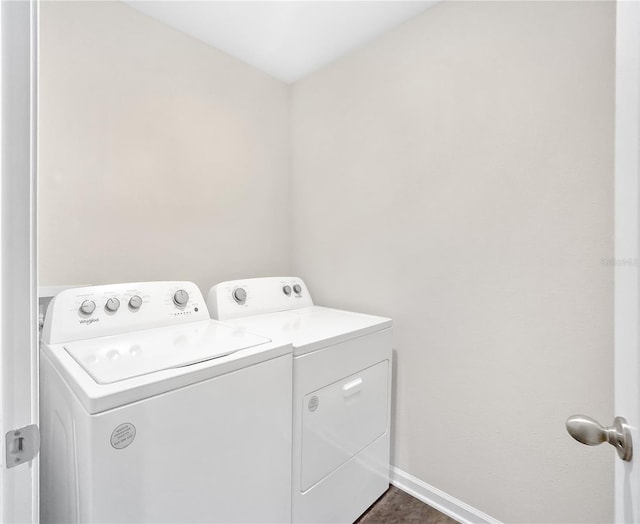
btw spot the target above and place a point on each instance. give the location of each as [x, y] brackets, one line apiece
[257, 296]
[97, 311]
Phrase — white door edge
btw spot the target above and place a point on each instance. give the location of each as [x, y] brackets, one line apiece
[627, 297]
[19, 494]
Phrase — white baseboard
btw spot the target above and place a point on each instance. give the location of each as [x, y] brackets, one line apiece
[443, 502]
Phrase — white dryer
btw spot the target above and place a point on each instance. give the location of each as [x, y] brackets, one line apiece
[341, 392]
[153, 412]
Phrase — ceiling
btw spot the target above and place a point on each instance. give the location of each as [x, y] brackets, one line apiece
[286, 39]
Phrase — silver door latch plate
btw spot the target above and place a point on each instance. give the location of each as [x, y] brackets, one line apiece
[22, 445]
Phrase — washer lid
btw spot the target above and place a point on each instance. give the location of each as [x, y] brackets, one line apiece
[115, 358]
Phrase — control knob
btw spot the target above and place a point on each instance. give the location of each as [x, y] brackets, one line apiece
[297, 288]
[135, 302]
[112, 305]
[180, 298]
[286, 290]
[87, 307]
[239, 295]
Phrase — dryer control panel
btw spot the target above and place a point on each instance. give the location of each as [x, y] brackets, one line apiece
[257, 296]
[98, 311]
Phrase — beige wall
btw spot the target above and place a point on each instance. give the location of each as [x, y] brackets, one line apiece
[160, 157]
[457, 175]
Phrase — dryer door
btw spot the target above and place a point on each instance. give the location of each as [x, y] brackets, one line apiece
[341, 419]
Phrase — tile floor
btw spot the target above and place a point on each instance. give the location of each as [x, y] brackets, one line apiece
[396, 507]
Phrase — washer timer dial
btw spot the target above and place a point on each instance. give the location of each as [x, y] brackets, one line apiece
[180, 298]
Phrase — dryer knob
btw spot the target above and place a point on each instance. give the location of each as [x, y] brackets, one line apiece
[112, 305]
[180, 298]
[87, 307]
[298, 289]
[286, 290]
[135, 302]
[239, 295]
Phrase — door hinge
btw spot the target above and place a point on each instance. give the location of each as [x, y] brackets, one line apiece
[22, 445]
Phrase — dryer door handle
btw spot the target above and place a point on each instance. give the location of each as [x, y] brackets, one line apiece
[351, 388]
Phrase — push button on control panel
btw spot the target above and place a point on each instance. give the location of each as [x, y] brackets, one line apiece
[87, 307]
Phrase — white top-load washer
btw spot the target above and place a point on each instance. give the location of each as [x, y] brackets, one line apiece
[341, 392]
[153, 412]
